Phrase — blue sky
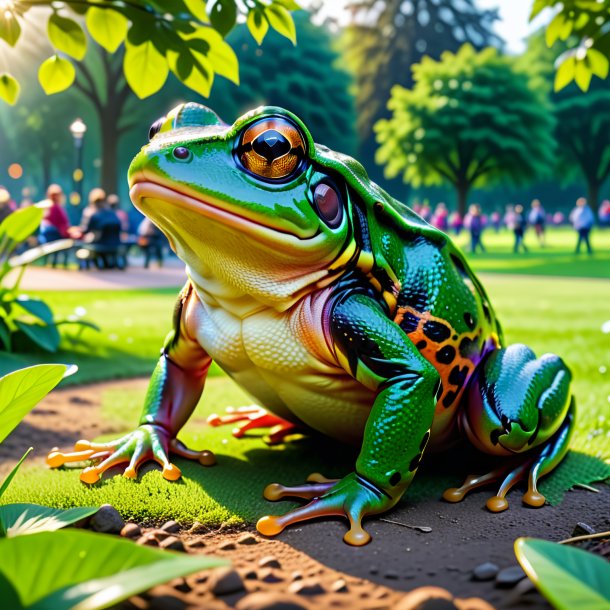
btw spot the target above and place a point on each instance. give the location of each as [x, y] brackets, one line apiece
[513, 25]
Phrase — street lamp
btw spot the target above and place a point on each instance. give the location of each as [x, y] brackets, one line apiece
[77, 129]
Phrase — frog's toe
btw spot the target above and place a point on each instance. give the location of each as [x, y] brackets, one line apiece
[205, 457]
[83, 451]
[254, 418]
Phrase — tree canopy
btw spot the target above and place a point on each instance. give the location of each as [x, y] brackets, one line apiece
[185, 37]
[471, 119]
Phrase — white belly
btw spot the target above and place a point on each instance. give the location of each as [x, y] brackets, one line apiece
[282, 360]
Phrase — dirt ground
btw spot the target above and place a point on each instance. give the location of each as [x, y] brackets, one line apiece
[399, 559]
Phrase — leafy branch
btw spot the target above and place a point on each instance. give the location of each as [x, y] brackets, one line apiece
[185, 37]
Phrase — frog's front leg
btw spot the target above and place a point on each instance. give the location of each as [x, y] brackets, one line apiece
[518, 406]
[174, 390]
[374, 350]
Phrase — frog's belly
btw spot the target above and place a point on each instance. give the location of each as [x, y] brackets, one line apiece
[264, 352]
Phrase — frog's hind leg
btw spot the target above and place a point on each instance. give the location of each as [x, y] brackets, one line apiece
[519, 406]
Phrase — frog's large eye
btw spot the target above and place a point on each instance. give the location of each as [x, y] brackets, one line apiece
[155, 128]
[272, 148]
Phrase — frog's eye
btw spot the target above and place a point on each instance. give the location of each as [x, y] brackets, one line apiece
[328, 204]
[155, 128]
[272, 148]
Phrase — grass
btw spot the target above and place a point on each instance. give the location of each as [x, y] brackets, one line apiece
[549, 314]
[557, 258]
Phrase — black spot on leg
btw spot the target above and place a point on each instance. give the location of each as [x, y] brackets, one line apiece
[446, 354]
[449, 398]
[436, 331]
[395, 479]
[409, 322]
[470, 321]
[469, 348]
[458, 375]
[420, 345]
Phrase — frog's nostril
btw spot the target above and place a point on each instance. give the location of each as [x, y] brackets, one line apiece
[182, 153]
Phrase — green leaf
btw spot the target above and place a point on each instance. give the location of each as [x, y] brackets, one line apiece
[80, 570]
[201, 75]
[5, 336]
[145, 68]
[67, 36]
[10, 30]
[281, 21]
[220, 54]
[56, 74]
[35, 307]
[22, 519]
[9, 88]
[22, 390]
[44, 336]
[565, 73]
[553, 29]
[222, 15]
[568, 577]
[13, 472]
[29, 256]
[289, 5]
[257, 24]
[598, 63]
[8, 595]
[582, 75]
[197, 8]
[22, 223]
[107, 27]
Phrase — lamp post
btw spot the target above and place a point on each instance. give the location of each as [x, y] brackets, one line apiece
[77, 129]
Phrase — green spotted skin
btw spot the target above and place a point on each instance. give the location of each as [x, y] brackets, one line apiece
[337, 308]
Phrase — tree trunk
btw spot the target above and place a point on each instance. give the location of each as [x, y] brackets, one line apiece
[462, 197]
[110, 142]
[593, 194]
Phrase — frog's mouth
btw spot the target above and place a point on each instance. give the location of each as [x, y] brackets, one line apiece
[145, 193]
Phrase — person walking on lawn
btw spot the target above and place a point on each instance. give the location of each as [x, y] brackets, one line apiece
[582, 219]
[519, 226]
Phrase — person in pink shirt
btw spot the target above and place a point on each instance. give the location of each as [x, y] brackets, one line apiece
[55, 223]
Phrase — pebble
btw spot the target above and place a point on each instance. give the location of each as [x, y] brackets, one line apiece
[247, 539]
[509, 577]
[171, 526]
[227, 546]
[339, 586]
[148, 540]
[159, 534]
[485, 571]
[107, 520]
[306, 587]
[269, 562]
[131, 530]
[196, 544]
[582, 529]
[271, 601]
[269, 575]
[172, 543]
[391, 575]
[166, 602]
[223, 581]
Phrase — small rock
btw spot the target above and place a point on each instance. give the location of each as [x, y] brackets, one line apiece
[247, 539]
[391, 575]
[172, 543]
[171, 527]
[582, 529]
[196, 544]
[373, 570]
[485, 571]
[271, 601]
[159, 534]
[269, 562]
[227, 546]
[296, 575]
[131, 530]
[223, 581]
[107, 520]
[339, 586]
[269, 575]
[509, 577]
[148, 540]
[306, 587]
[182, 586]
[166, 602]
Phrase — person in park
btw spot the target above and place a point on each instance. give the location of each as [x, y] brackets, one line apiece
[582, 219]
[604, 213]
[474, 223]
[440, 219]
[537, 218]
[519, 224]
[55, 223]
[114, 204]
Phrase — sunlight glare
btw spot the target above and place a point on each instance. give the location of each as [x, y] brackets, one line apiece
[7, 6]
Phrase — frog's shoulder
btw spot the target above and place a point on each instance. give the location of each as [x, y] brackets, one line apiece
[378, 203]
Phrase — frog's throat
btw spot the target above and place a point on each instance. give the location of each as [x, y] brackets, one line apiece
[268, 235]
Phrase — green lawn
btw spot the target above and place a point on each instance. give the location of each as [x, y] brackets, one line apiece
[549, 314]
[557, 258]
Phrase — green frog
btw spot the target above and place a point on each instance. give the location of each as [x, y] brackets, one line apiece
[339, 310]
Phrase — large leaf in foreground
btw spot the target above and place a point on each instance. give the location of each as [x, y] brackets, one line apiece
[22, 390]
[21, 519]
[73, 569]
[13, 472]
[568, 577]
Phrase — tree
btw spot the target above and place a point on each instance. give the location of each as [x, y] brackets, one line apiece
[585, 25]
[470, 120]
[181, 36]
[583, 145]
[307, 80]
[386, 38]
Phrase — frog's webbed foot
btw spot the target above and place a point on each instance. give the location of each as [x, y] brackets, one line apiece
[254, 418]
[353, 497]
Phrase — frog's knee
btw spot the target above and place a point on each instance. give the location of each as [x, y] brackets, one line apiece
[517, 401]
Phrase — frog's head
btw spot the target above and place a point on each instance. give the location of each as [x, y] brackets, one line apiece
[248, 203]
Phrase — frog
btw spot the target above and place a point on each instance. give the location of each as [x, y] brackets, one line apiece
[340, 311]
